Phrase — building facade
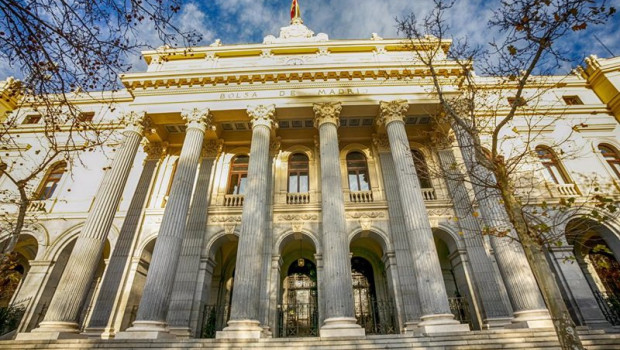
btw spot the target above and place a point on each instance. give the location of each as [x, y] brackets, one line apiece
[303, 187]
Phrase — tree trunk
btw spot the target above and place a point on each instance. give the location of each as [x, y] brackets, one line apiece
[535, 254]
[24, 201]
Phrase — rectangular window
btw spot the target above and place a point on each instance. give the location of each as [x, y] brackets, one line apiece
[572, 100]
[32, 119]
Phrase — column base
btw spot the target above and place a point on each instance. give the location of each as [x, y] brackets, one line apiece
[496, 322]
[531, 319]
[52, 330]
[181, 332]
[341, 327]
[98, 332]
[146, 330]
[439, 323]
[243, 329]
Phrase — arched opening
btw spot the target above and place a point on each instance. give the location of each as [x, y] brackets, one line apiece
[552, 169]
[454, 277]
[298, 308]
[60, 262]
[216, 312]
[374, 301]
[597, 250]
[139, 280]
[50, 183]
[15, 267]
[612, 157]
[357, 172]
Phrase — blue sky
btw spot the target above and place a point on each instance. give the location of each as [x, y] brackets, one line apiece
[248, 21]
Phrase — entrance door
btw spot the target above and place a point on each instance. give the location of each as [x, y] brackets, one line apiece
[299, 312]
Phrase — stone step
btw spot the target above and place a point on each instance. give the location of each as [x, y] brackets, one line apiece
[478, 340]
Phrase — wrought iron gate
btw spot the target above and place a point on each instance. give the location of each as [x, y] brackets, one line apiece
[299, 320]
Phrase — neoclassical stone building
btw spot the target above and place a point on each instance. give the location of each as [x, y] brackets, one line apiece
[286, 189]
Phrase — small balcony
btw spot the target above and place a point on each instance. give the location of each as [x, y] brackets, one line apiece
[564, 190]
[429, 194]
[233, 200]
[297, 198]
[361, 197]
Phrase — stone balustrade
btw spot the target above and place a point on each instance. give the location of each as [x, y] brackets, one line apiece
[298, 198]
[429, 194]
[361, 197]
[233, 200]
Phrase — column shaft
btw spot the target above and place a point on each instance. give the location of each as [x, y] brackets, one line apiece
[484, 277]
[182, 303]
[431, 288]
[402, 246]
[248, 272]
[336, 261]
[76, 280]
[521, 285]
[119, 260]
[155, 300]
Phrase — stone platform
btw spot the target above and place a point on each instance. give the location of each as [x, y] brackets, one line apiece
[475, 340]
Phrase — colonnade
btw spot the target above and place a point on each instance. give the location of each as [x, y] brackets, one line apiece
[165, 304]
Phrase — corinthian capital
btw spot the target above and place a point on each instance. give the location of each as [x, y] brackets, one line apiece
[392, 111]
[153, 150]
[263, 115]
[382, 142]
[198, 119]
[328, 112]
[135, 121]
[211, 148]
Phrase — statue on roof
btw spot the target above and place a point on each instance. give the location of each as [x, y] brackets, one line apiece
[297, 31]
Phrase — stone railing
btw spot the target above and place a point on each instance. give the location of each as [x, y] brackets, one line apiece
[298, 198]
[233, 200]
[429, 194]
[361, 197]
[565, 190]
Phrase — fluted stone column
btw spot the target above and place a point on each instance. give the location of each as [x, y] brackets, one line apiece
[337, 286]
[245, 315]
[182, 303]
[402, 246]
[109, 296]
[495, 312]
[527, 302]
[64, 309]
[151, 318]
[435, 310]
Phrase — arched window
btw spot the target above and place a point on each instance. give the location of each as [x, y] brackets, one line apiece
[48, 186]
[421, 168]
[238, 174]
[298, 172]
[611, 156]
[357, 170]
[552, 170]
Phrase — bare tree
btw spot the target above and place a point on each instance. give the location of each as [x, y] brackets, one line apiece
[498, 138]
[63, 49]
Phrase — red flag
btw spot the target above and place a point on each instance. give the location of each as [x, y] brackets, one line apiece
[295, 10]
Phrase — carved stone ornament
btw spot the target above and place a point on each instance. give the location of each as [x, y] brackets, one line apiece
[296, 32]
[366, 215]
[198, 118]
[135, 121]
[211, 148]
[297, 226]
[328, 112]
[366, 224]
[382, 142]
[262, 115]
[230, 228]
[298, 217]
[392, 111]
[153, 150]
[275, 144]
[225, 219]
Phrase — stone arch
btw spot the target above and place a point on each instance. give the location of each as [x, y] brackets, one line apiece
[290, 234]
[217, 240]
[24, 251]
[286, 153]
[455, 271]
[375, 233]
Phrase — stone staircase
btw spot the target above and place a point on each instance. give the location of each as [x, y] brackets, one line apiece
[476, 340]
